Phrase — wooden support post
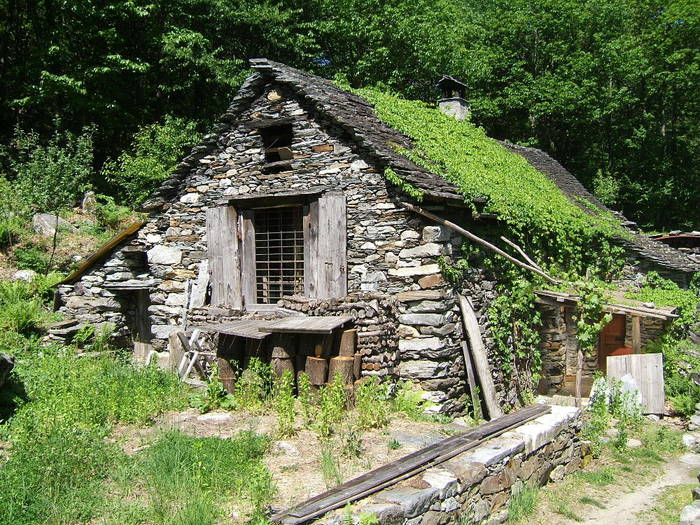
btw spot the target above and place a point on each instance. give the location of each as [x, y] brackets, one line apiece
[348, 338]
[481, 362]
[476, 402]
[177, 351]
[299, 366]
[317, 369]
[344, 366]
[636, 334]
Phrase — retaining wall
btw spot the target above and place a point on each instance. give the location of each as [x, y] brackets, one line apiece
[476, 486]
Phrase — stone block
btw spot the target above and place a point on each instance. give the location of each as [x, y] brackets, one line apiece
[386, 513]
[496, 449]
[431, 281]
[436, 233]
[498, 482]
[422, 319]
[430, 249]
[164, 255]
[468, 472]
[425, 343]
[412, 501]
[422, 369]
[546, 428]
[412, 271]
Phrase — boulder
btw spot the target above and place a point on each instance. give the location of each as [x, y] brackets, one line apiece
[24, 275]
[6, 366]
[46, 224]
[89, 204]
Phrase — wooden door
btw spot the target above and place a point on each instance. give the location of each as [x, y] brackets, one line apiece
[612, 338]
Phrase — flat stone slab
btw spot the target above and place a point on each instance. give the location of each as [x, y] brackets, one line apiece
[690, 459]
[416, 440]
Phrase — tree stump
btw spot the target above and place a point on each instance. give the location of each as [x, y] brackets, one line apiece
[348, 339]
[344, 366]
[317, 369]
[357, 365]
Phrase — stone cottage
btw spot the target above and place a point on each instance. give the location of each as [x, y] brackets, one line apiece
[281, 223]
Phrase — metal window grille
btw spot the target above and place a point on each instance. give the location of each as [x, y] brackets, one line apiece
[279, 253]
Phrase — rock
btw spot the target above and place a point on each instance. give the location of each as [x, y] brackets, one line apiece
[24, 275]
[653, 417]
[216, 417]
[422, 369]
[412, 501]
[189, 198]
[427, 343]
[695, 420]
[6, 366]
[436, 233]
[46, 224]
[424, 250]
[690, 514]
[426, 269]
[164, 255]
[285, 448]
[691, 440]
[634, 443]
[690, 459]
[431, 281]
[422, 319]
[89, 204]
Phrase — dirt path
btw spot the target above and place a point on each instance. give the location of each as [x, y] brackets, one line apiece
[629, 508]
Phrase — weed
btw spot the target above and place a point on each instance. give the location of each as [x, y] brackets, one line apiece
[590, 501]
[393, 444]
[11, 229]
[620, 442]
[214, 395]
[330, 468]
[662, 440]
[254, 385]
[368, 518]
[284, 403]
[371, 404]
[304, 394]
[409, 402]
[20, 311]
[332, 406]
[523, 504]
[352, 441]
[32, 258]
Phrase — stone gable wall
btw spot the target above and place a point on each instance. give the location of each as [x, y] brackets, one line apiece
[390, 251]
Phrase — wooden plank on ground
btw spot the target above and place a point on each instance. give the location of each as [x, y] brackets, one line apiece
[405, 467]
[648, 372]
[480, 359]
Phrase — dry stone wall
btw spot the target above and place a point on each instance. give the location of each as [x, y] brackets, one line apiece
[476, 486]
[391, 252]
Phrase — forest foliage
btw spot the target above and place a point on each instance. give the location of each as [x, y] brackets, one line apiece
[611, 88]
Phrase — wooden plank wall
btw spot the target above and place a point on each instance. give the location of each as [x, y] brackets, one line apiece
[647, 370]
[331, 266]
[247, 229]
[222, 251]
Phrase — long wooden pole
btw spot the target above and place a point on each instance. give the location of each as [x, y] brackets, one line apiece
[521, 252]
[481, 362]
[477, 239]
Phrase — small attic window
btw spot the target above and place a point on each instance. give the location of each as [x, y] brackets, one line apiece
[277, 141]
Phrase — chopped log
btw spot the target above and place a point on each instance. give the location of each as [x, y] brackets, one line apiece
[344, 366]
[346, 346]
[481, 362]
[323, 346]
[469, 235]
[357, 366]
[299, 365]
[227, 374]
[282, 346]
[282, 365]
[317, 369]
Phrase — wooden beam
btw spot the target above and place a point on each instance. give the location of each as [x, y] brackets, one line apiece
[476, 402]
[469, 235]
[636, 334]
[481, 362]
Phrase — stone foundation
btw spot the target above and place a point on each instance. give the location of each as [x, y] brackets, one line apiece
[476, 486]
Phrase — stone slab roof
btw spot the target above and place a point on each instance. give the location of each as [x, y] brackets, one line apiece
[379, 142]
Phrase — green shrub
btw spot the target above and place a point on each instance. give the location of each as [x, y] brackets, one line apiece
[333, 405]
[11, 229]
[214, 395]
[254, 385]
[284, 403]
[371, 404]
[32, 258]
[109, 213]
[20, 311]
[409, 402]
[308, 410]
[155, 151]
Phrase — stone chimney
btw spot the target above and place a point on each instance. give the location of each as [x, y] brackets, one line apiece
[453, 102]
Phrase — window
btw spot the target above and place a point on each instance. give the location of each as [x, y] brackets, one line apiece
[279, 253]
[277, 141]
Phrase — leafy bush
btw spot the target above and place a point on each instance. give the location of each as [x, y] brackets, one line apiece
[110, 213]
[51, 176]
[11, 228]
[409, 401]
[156, 150]
[255, 385]
[214, 395]
[284, 403]
[20, 310]
[372, 404]
[32, 258]
[333, 405]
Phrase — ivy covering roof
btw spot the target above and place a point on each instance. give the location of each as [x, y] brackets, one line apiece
[434, 156]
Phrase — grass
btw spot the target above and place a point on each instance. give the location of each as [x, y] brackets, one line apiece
[188, 480]
[669, 504]
[523, 504]
[591, 501]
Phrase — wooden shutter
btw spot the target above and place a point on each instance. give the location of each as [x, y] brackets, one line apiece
[222, 251]
[248, 257]
[325, 255]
